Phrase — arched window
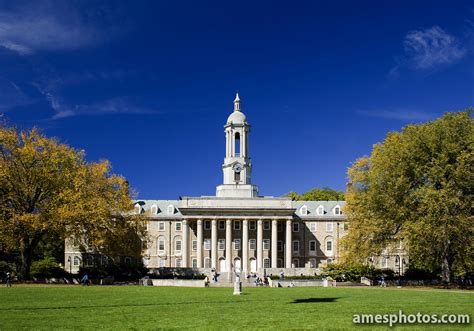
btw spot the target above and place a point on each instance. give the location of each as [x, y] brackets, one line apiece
[320, 210]
[207, 262]
[195, 263]
[266, 262]
[337, 210]
[237, 144]
[77, 260]
[170, 210]
[312, 263]
[138, 209]
[304, 210]
[154, 210]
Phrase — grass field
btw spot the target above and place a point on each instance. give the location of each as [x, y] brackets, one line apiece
[127, 307]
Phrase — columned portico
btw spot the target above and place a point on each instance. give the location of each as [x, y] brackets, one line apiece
[288, 244]
[259, 244]
[228, 247]
[214, 244]
[245, 246]
[184, 256]
[199, 244]
[274, 244]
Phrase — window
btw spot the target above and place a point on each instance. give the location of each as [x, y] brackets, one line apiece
[161, 245]
[312, 263]
[237, 144]
[329, 246]
[89, 260]
[161, 226]
[178, 226]
[221, 225]
[252, 244]
[221, 244]
[138, 209]
[207, 244]
[304, 210]
[178, 263]
[329, 227]
[178, 245]
[207, 225]
[162, 263]
[397, 262]
[312, 246]
[266, 244]
[252, 225]
[384, 262]
[237, 225]
[280, 263]
[154, 210]
[296, 263]
[170, 210]
[194, 226]
[320, 210]
[280, 227]
[312, 226]
[296, 246]
[280, 246]
[237, 244]
[207, 262]
[329, 261]
[266, 262]
[194, 244]
[266, 225]
[195, 263]
[237, 176]
[337, 210]
[77, 260]
[296, 227]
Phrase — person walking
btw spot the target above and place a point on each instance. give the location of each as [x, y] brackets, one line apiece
[8, 280]
[85, 280]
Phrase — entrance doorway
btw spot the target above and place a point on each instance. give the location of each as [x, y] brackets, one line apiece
[222, 266]
[253, 265]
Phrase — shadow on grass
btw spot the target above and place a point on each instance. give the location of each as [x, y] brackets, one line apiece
[131, 305]
[315, 300]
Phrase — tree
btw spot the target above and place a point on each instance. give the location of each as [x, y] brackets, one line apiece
[48, 189]
[417, 186]
[318, 194]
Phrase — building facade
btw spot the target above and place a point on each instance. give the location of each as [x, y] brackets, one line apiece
[237, 230]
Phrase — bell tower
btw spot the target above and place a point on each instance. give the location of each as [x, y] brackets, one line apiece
[237, 167]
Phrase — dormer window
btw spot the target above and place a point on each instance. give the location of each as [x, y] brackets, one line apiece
[154, 210]
[304, 210]
[337, 210]
[170, 210]
[138, 209]
[320, 210]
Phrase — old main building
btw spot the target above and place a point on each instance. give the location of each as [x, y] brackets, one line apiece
[238, 230]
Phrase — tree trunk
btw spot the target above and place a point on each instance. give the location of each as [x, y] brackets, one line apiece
[447, 264]
[27, 248]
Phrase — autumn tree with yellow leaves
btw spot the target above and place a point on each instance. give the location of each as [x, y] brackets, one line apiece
[48, 188]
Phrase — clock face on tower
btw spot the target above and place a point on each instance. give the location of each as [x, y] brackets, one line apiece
[237, 167]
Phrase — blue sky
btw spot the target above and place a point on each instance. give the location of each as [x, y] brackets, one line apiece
[149, 84]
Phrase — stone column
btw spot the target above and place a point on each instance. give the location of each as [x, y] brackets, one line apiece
[228, 248]
[274, 243]
[259, 244]
[184, 249]
[245, 247]
[199, 244]
[288, 244]
[214, 244]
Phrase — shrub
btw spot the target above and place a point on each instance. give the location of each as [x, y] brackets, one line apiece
[46, 268]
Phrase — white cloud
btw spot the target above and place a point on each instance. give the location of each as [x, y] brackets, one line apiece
[428, 48]
[44, 26]
[399, 114]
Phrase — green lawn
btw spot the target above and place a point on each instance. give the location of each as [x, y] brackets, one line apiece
[146, 307]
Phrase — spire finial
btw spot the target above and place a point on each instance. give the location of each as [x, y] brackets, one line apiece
[237, 102]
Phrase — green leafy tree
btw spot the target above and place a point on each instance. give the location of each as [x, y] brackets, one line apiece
[417, 186]
[48, 190]
[318, 194]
